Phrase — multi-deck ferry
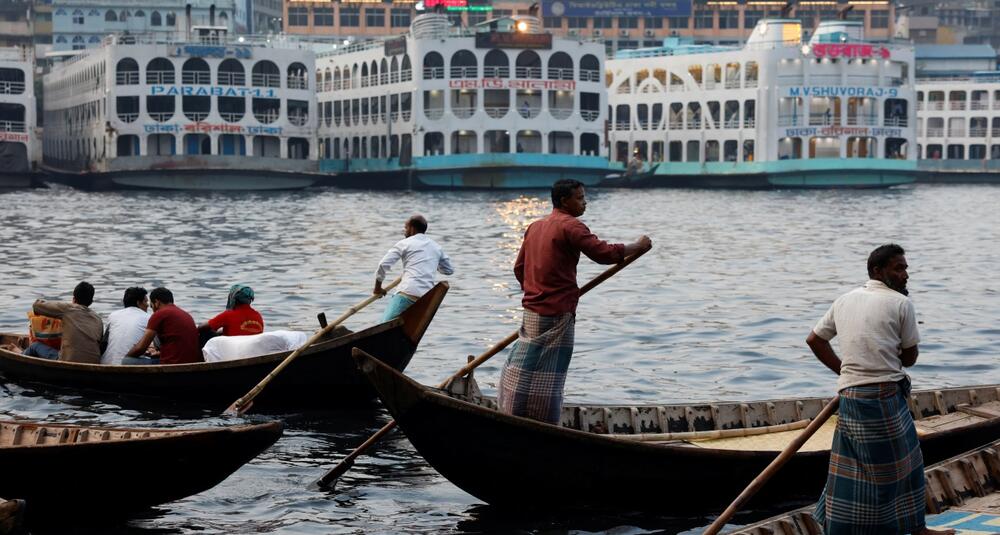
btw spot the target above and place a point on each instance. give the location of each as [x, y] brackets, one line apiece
[499, 105]
[778, 112]
[19, 148]
[958, 128]
[205, 111]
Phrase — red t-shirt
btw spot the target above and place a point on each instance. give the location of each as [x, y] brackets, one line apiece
[546, 264]
[240, 321]
[178, 335]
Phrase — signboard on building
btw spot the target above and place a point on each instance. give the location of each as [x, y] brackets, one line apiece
[617, 8]
[515, 83]
[513, 40]
[842, 91]
[395, 47]
[209, 51]
[210, 91]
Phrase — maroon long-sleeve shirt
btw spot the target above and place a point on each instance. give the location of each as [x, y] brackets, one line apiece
[546, 263]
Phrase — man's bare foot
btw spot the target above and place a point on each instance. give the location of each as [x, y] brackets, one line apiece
[929, 531]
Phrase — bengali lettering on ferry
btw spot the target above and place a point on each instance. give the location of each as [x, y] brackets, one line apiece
[209, 51]
[210, 127]
[842, 91]
[211, 91]
[14, 136]
[503, 83]
[849, 50]
[832, 131]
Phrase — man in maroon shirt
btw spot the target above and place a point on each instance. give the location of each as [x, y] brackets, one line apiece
[532, 380]
[176, 329]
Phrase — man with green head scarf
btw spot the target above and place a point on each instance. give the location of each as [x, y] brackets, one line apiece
[240, 318]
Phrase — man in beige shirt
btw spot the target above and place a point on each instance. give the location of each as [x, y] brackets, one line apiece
[82, 328]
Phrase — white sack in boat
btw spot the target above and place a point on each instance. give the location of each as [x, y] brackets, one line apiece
[222, 348]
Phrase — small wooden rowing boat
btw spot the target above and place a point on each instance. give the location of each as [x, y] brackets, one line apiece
[67, 471]
[324, 376]
[676, 459]
[963, 493]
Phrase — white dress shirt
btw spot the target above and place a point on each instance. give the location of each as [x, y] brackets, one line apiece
[421, 256]
[125, 329]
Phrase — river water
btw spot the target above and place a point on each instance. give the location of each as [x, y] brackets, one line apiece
[718, 310]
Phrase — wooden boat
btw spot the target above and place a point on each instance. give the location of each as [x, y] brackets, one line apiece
[963, 493]
[71, 472]
[675, 459]
[323, 376]
[11, 514]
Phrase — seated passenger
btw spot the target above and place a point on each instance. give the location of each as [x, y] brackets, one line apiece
[82, 328]
[239, 319]
[126, 326]
[176, 330]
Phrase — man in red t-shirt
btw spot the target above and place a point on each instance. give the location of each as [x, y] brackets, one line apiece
[176, 330]
[240, 318]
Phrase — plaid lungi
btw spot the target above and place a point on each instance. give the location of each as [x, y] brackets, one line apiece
[532, 380]
[876, 480]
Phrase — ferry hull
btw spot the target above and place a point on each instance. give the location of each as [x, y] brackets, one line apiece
[774, 175]
[18, 180]
[959, 171]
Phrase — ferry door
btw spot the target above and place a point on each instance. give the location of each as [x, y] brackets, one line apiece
[233, 145]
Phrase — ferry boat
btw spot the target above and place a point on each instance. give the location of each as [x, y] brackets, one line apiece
[205, 111]
[19, 148]
[958, 128]
[777, 112]
[500, 105]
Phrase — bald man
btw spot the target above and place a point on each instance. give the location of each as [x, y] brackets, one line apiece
[422, 257]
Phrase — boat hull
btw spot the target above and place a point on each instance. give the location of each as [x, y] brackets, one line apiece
[774, 175]
[509, 461]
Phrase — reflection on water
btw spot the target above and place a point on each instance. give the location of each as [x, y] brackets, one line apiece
[718, 310]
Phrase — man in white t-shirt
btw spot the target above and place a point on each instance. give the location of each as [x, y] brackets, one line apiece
[126, 326]
[875, 483]
[421, 256]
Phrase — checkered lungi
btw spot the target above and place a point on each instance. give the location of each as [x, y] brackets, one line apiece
[876, 480]
[532, 380]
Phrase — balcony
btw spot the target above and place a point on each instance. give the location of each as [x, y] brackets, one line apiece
[956, 132]
[160, 77]
[196, 78]
[788, 120]
[127, 78]
[463, 113]
[556, 73]
[433, 73]
[935, 105]
[590, 76]
[464, 72]
[297, 82]
[432, 113]
[750, 123]
[622, 126]
[590, 115]
[979, 105]
[298, 119]
[406, 115]
[161, 116]
[560, 113]
[496, 113]
[977, 132]
[529, 112]
[935, 132]
[676, 125]
[11, 88]
[265, 80]
[956, 105]
[18, 126]
[901, 122]
[528, 72]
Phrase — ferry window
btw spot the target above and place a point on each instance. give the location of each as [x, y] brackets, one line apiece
[405, 71]
[160, 108]
[128, 145]
[732, 75]
[365, 110]
[297, 76]
[464, 65]
[127, 108]
[628, 45]
[265, 110]
[161, 145]
[956, 127]
[78, 44]
[433, 104]
[642, 114]
[694, 116]
[678, 22]
[155, 19]
[560, 104]
[590, 144]
[322, 16]
[622, 117]
[729, 149]
[590, 106]
[433, 66]
[711, 151]
[399, 18]
[374, 17]
[676, 151]
[861, 147]
[621, 151]
[463, 142]
[560, 66]
[897, 148]
[695, 72]
[731, 115]
[748, 149]
[196, 108]
[934, 152]
[978, 127]
[195, 71]
[653, 23]
[298, 16]
[496, 141]
[197, 144]
[713, 114]
[995, 129]
[78, 17]
[111, 16]
[956, 152]
[528, 65]
[935, 127]
[232, 145]
[171, 19]
[994, 152]
[602, 22]
[704, 19]
[825, 111]
[496, 64]
[298, 148]
[628, 22]
[693, 151]
[160, 71]
[676, 121]
[657, 117]
[590, 69]
[657, 155]
[298, 112]
[433, 143]
[896, 112]
[824, 147]
[263, 74]
[350, 16]
[789, 148]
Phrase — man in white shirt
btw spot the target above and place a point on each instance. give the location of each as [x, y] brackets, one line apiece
[421, 257]
[126, 326]
[875, 482]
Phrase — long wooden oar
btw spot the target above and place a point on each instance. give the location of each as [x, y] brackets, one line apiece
[773, 468]
[242, 405]
[334, 473]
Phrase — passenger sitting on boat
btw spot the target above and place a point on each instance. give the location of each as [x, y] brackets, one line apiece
[82, 328]
[635, 165]
[875, 482]
[126, 326]
[421, 256]
[176, 330]
[239, 319]
[532, 380]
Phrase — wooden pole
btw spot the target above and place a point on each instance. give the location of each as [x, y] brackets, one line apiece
[773, 468]
[240, 406]
[343, 466]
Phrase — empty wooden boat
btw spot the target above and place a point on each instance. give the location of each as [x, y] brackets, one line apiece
[67, 472]
[678, 459]
[323, 376]
[963, 493]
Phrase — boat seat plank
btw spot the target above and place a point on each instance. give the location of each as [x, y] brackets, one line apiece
[985, 410]
[774, 441]
[952, 420]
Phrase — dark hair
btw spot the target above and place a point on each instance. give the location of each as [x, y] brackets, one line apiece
[162, 295]
[133, 295]
[83, 294]
[418, 223]
[881, 256]
[562, 189]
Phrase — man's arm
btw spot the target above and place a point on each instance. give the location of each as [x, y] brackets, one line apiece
[387, 262]
[909, 356]
[601, 251]
[444, 265]
[824, 351]
[519, 265]
[53, 309]
[140, 347]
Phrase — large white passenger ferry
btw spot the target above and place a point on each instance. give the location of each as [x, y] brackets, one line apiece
[207, 111]
[499, 105]
[958, 128]
[19, 147]
[778, 112]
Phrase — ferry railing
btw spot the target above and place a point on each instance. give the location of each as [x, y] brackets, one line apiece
[996, 105]
[824, 79]
[750, 123]
[793, 79]
[676, 125]
[732, 84]
[995, 132]
[622, 125]
[677, 86]
[935, 105]
[161, 116]
[587, 75]
[231, 117]
[956, 132]
[196, 77]
[12, 126]
[977, 132]
[394, 78]
[732, 123]
[750, 83]
[710, 84]
[560, 113]
[11, 88]
[896, 81]
[623, 89]
[259, 79]
[935, 132]
[920, 105]
[394, 116]
[979, 105]
[821, 119]
[433, 73]
[897, 121]
[127, 78]
[714, 122]
[496, 112]
[266, 117]
[406, 115]
[160, 77]
[788, 120]
[494, 71]
[862, 79]
[298, 82]
[590, 115]
[464, 72]
[406, 75]
[364, 81]
[196, 115]
[956, 105]
[463, 113]
[128, 117]
[862, 120]
[560, 73]
[694, 124]
[298, 119]
[529, 112]
[434, 113]
[528, 72]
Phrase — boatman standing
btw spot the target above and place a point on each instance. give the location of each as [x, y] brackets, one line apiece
[875, 482]
[532, 380]
[421, 257]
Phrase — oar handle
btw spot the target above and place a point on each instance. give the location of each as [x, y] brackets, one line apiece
[773, 468]
[243, 404]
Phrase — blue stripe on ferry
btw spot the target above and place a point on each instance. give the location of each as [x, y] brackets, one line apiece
[785, 166]
[965, 523]
[463, 161]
